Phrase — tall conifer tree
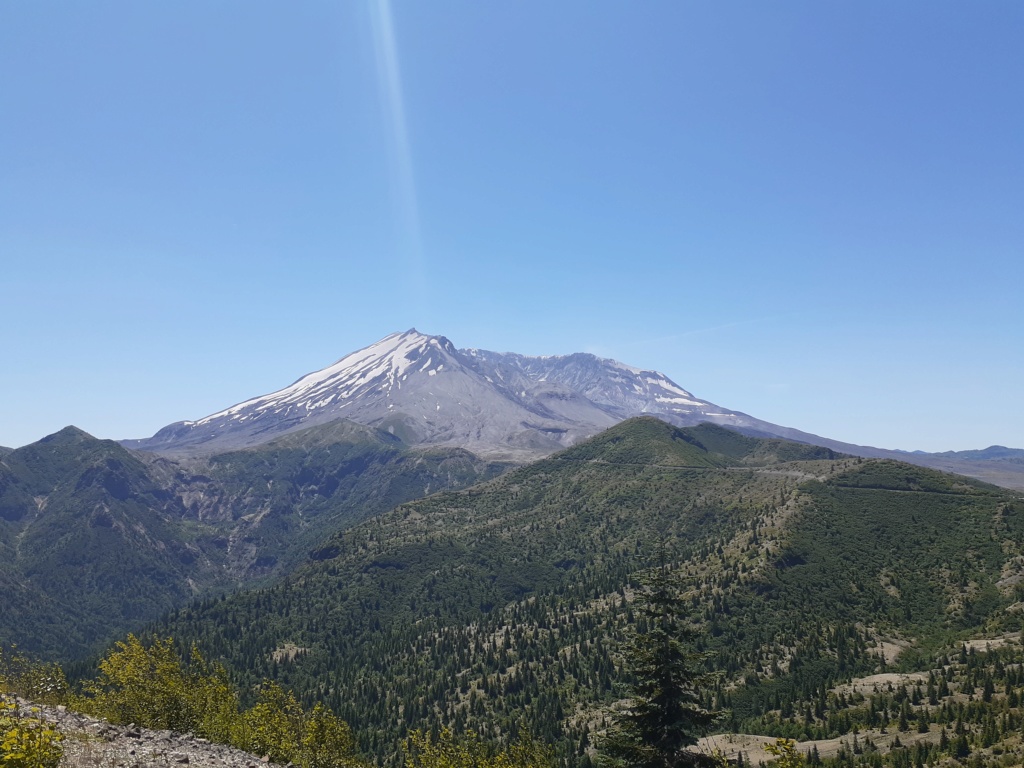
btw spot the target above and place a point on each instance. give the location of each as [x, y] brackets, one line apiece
[666, 716]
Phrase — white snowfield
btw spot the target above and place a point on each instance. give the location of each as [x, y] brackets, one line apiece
[390, 357]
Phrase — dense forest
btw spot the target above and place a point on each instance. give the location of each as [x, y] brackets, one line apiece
[96, 540]
[504, 606]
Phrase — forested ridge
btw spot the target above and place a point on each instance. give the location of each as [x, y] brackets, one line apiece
[504, 606]
[96, 540]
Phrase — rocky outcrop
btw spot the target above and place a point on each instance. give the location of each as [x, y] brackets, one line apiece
[90, 742]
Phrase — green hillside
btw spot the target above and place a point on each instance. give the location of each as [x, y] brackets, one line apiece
[504, 603]
[96, 540]
[92, 543]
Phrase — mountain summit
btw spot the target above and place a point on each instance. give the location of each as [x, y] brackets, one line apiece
[501, 405]
[424, 391]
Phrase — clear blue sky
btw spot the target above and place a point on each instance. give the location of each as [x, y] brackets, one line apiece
[811, 212]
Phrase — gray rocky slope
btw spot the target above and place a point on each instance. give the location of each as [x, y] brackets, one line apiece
[425, 391]
[90, 742]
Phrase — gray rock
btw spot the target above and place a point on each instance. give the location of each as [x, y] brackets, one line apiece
[93, 743]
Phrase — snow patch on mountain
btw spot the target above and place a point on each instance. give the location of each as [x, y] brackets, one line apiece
[383, 366]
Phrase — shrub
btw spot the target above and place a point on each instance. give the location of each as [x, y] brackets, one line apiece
[142, 685]
[274, 725]
[786, 752]
[27, 742]
[327, 742]
[152, 687]
[39, 682]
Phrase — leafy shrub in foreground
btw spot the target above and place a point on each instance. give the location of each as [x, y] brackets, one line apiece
[39, 682]
[275, 724]
[327, 741]
[151, 686]
[27, 742]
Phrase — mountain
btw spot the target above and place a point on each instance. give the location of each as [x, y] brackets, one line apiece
[96, 539]
[426, 392]
[504, 406]
[504, 605]
[90, 542]
[416, 387]
[999, 468]
[992, 453]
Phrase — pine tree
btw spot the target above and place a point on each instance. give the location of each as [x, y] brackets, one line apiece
[666, 715]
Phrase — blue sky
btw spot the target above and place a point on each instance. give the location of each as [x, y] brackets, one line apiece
[810, 212]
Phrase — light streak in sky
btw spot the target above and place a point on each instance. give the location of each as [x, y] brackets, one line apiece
[400, 156]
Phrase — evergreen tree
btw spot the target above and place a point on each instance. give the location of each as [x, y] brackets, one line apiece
[666, 715]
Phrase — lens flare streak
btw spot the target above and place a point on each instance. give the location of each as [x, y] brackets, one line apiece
[400, 154]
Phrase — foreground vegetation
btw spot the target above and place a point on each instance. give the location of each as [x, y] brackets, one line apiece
[28, 741]
[964, 708]
[152, 685]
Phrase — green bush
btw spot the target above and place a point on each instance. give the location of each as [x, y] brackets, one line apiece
[39, 682]
[786, 752]
[27, 742]
[274, 726]
[327, 741]
[152, 687]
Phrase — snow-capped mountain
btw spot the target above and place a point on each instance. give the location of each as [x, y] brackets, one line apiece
[618, 389]
[423, 390]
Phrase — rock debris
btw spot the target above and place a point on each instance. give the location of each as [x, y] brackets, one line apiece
[90, 742]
